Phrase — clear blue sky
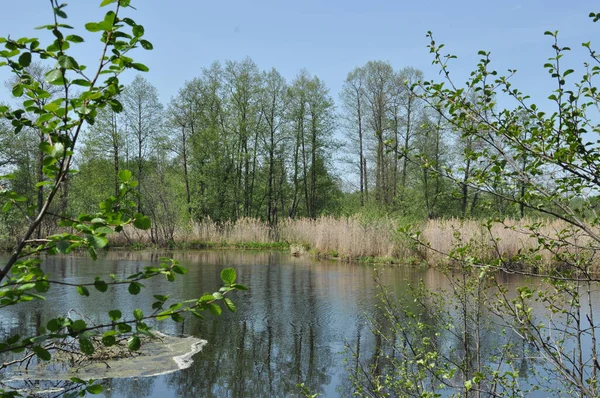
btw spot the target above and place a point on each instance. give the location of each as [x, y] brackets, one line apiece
[330, 37]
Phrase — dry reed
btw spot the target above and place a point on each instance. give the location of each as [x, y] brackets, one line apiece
[357, 236]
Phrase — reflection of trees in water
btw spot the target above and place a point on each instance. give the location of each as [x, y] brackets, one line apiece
[289, 328]
[130, 388]
[265, 352]
[439, 342]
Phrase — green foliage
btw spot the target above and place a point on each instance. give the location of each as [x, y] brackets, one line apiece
[527, 158]
[56, 105]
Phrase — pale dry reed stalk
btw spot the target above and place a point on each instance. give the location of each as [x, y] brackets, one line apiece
[348, 236]
[357, 236]
[508, 239]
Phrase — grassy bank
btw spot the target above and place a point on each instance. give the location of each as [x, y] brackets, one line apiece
[358, 238]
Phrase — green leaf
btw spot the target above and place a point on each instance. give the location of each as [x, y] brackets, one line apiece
[109, 340]
[94, 389]
[124, 328]
[146, 45]
[86, 346]
[13, 339]
[228, 276]
[42, 353]
[107, 2]
[81, 82]
[7, 206]
[468, 385]
[230, 305]
[83, 291]
[138, 314]
[17, 90]
[140, 67]
[60, 13]
[93, 27]
[74, 39]
[67, 62]
[55, 77]
[206, 298]
[25, 59]
[78, 325]
[104, 230]
[215, 309]
[63, 246]
[54, 325]
[109, 20]
[125, 175]
[42, 286]
[101, 286]
[115, 315]
[142, 222]
[44, 183]
[134, 288]
[97, 242]
[134, 343]
[138, 30]
[178, 269]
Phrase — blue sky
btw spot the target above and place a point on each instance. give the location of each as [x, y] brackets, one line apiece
[330, 37]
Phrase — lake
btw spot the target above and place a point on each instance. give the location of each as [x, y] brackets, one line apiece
[292, 325]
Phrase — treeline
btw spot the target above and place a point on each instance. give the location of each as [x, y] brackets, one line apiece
[237, 141]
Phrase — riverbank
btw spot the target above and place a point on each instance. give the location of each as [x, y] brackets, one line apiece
[374, 240]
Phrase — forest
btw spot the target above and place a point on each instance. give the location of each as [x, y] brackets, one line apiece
[239, 142]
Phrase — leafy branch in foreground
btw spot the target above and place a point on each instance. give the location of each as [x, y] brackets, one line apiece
[63, 333]
[536, 159]
[57, 106]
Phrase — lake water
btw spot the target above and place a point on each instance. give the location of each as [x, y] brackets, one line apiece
[291, 327]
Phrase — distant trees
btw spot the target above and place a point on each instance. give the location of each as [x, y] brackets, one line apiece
[251, 145]
[237, 141]
[389, 129]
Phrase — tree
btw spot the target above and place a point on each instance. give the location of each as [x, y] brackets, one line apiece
[312, 116]
[273, 105]
[107, 138]
[242, 80]
[143, 115]
[411, 104]
[430, 157]
[353, 104]
[60, 121]
[379, 86]
[184, 114]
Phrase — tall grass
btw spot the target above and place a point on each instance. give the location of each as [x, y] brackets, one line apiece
[357, 236]
[351, 237]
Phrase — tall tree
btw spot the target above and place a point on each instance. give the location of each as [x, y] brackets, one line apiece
[353, 105]
[243, 81]
[379, 90]
[106, 137]
[143, 115]
[273, 104]
[410, 102]
[312, 117]
[185, 116]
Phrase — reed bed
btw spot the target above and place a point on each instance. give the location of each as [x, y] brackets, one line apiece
[352, 237]
[357, 237]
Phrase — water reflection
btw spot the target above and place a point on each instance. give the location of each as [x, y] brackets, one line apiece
[291, 327]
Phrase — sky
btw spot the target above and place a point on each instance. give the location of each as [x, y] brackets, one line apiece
[328, 37]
